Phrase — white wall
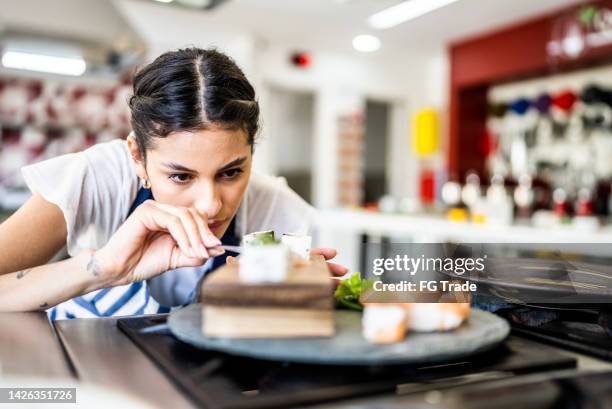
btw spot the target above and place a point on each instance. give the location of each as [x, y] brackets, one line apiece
[291, 130]
[408, 80]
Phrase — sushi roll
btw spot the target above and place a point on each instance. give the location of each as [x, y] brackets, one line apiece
[384, 323]
[428, 317]
[300, 245]
[264, 263]
[259, 238]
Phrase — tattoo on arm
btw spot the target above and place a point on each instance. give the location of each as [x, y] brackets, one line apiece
[92, 266]
[23, 273]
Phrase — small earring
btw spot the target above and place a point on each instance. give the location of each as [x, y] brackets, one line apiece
[146, 183]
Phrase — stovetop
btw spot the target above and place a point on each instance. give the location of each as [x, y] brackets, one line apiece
[216, 380]
[585, 331]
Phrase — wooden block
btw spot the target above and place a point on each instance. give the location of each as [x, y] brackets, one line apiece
[307, 287]
[240, 322]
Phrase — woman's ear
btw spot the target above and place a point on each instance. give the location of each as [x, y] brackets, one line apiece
[137, 158]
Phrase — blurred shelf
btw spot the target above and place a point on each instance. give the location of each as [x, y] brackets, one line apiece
[12, 199]
[430, 228]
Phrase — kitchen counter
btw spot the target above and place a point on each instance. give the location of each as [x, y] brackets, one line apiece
[29, 347]
[99, 353]
[102, 355]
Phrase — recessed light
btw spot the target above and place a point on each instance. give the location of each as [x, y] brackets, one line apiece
[405, 11]
[366, 43]
[53, 64]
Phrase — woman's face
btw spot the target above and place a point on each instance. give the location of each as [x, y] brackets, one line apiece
[208, 170]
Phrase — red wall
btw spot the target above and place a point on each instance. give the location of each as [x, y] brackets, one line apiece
[515, 52]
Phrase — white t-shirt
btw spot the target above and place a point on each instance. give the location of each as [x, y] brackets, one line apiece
[96, 188]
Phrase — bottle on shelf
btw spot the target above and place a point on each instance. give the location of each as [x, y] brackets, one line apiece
[584, 203]
[451, 196]
[498, 203]
[585, 218]
[471, 192]
[524, 196]
[471, 195]
[561, 203]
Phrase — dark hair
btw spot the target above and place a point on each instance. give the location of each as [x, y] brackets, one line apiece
[188, 90]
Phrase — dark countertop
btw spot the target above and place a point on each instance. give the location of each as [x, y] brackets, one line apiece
[100, 353]
[29, 347]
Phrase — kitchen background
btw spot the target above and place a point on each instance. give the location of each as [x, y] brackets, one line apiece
[480, 121]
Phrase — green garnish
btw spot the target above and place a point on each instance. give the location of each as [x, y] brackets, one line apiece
[348, 292]
[260, 238]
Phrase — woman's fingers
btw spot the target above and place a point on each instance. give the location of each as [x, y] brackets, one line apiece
[207, 237]
[327, 253]
[174, 225]
[193, 231]
[180, 259]
[201, 225]
[196, 228]
[337, 269]
[196, 249]
[178, 224]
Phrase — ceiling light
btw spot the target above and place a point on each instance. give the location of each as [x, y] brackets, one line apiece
[404, 11]
[164, 1]
[366, 43]
[44, 63]
[196, 4]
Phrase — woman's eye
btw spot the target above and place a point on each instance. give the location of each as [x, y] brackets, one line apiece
[180, 178]
[231, 174]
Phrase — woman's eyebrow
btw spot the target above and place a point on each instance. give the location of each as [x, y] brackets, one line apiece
[235, 162]
[176, 166]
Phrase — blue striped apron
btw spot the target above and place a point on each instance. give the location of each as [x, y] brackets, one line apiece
[131, 299]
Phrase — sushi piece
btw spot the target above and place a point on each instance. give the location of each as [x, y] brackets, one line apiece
[299, 245]
[384, 323]
[259, 238]
[428, 317]
[264, 263]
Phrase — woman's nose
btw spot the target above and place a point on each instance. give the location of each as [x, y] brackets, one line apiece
[209, 201]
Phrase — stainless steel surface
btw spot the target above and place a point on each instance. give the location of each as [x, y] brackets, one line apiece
[585, 364]
[101, 353]
[28, 347]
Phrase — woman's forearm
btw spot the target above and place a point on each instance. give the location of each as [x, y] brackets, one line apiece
[42, 287]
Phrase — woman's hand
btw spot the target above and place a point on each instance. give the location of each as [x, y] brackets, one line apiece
[154, 239]
[327, 253]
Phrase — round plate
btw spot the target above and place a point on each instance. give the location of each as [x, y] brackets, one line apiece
[480, 332]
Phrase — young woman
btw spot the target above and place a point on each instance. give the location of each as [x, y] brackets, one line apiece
[155, 207]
